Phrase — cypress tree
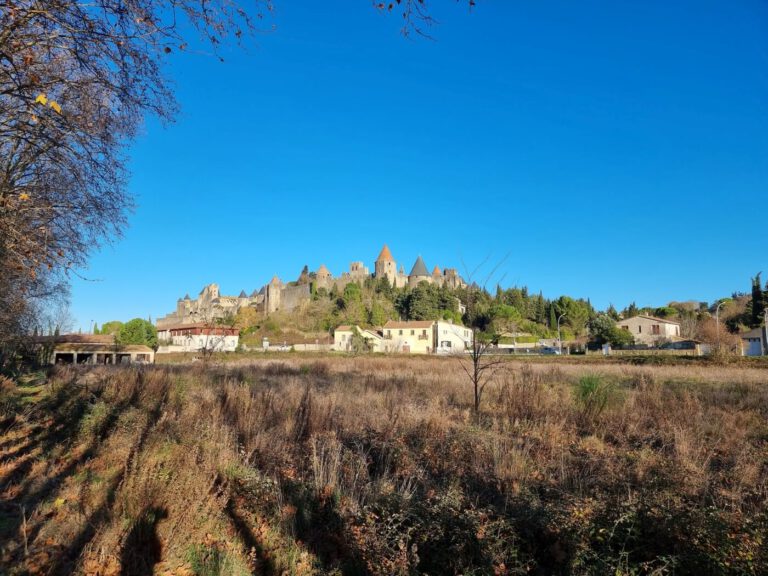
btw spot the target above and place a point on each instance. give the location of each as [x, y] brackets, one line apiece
[758, 301]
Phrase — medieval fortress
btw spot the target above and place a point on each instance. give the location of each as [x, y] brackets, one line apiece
[279, 296]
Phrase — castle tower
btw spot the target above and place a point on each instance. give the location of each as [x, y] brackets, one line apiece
[385, 266]
[323, 277]
[437, 275]
[273, 295]
[418, 273]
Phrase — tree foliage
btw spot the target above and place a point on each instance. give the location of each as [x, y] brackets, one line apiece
[138, 331]
[111, 327]
[76, 81]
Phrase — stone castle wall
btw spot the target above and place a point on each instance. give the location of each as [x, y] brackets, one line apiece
[277, 296]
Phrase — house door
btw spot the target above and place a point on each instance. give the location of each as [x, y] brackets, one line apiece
[407, 348]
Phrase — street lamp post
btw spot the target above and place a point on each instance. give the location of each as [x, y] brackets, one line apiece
[559, 341]
[717, 322]
[765, 332]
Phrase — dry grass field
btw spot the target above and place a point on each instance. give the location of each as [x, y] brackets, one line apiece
[380, 466]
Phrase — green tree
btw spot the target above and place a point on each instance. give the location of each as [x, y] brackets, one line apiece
[112, 327]
[423, 302]
[377, 316]
[138, 331]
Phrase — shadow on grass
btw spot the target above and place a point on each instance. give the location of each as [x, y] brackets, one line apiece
[142, 548]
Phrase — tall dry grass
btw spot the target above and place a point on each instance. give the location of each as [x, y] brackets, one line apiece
[377, 465]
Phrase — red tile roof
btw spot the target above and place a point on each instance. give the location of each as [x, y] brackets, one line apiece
[385, 255]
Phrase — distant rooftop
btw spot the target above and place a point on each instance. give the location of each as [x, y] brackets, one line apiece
[385, 255]
[419, 268]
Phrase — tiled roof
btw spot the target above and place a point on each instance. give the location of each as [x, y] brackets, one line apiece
[436, 271]
[419, 268]
[651, 318]
[411, 324]
[79, 339]
[385, 255]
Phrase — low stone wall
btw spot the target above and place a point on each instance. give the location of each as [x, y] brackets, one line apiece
[648, 352]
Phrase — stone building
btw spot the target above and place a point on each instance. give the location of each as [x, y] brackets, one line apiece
[649, 330]
[211, 307]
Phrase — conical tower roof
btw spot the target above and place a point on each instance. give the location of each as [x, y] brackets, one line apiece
[385, 255]
[436, 271]
[243, 294]
[323, 270]
[419, 268]
[275, 280]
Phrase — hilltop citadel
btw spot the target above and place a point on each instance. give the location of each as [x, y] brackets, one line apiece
[281, 296]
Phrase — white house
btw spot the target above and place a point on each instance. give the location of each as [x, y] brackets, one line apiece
[451, 338]
[342, 338]
[753, 342]
[650, 330]
[198, 337]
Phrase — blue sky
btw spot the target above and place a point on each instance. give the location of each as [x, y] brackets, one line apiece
[613, 150]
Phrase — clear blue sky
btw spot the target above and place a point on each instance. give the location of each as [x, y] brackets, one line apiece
[616, 150]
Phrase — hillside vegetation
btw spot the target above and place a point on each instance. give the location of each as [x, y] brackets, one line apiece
[379, 466]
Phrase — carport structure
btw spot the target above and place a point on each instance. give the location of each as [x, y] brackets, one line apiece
[97, 349]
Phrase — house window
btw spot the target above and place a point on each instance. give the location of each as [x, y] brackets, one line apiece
[413, 332]
[655, 329]
[424, 332]
[400, 332]
[639, 329]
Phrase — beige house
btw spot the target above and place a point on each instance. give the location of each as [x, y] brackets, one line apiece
[426, 337]
[414, 337]
[342, 338]
[650, 330]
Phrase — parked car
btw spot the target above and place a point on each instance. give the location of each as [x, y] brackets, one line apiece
[549, 350]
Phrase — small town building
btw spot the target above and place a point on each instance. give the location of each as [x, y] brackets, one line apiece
[753, 343]
[94, 349]
[343, 339]
[425, 337]
[198, 337]
[414, 337]
[452, 338]
[650, 330]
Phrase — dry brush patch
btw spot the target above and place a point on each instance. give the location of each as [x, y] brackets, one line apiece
[379, 466]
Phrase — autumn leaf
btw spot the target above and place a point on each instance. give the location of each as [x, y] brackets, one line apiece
[55, 105]
[23, 196]
[41, 99]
